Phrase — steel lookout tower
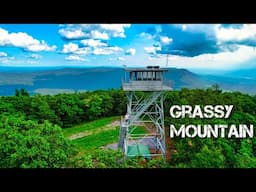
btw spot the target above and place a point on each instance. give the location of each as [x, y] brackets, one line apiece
[144, 110]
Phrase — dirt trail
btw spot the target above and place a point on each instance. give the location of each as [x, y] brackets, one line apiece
[107, 127]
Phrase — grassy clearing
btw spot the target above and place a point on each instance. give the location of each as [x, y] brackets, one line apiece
[92, 135]
[96, 140]
[97, 124]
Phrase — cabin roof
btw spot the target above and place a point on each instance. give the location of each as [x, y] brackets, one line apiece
[148, 68]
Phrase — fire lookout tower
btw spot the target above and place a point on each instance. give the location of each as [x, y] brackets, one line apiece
[145, 110]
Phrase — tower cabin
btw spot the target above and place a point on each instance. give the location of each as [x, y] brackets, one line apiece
[150, 78]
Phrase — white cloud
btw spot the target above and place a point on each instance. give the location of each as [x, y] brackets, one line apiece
[40, 47]
[154, 57]
[3, 54]
[35, 56]
[93, 43]
[6, 59]
[219, 61]
[130, 51]
[115, 30]
[121, 59]
[24, 41]
[72, 34]
[83, 26]
[106, 50]
[184, 27]
[70, 48]
[115, 27]
[151, 50]
[75, 58]
[248, 31]
[111, 59]
[165, 40]
[198, 28]
[146, 35]
[94, 31]
[31, 62]
[243, 54]
[83, 51]
[99, 35]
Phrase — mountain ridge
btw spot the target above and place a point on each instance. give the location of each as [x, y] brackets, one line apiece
[93, 78]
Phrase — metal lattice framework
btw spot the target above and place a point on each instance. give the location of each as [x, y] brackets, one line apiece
[145, 110]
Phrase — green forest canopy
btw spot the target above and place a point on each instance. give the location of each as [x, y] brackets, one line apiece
[31, 130]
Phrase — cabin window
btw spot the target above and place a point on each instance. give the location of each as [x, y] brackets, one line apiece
[146, 75]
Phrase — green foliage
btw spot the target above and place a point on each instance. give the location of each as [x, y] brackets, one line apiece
[66, 110]
[27, 144]
[208, 158]
[216, 88]
[114, 159]
[157, 163]
[81, 161]
[97, 105]
[245, 157]
[30, 136]
[40, 110]
[21, 92]
[108, 158]
[221, 152]
[6, 107]
[119, 102]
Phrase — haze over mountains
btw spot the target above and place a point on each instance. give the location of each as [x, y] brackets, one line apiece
[58, 80]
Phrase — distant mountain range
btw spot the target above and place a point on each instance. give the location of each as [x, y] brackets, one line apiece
[58, 80]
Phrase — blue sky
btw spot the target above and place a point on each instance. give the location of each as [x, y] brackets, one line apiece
[199, 47]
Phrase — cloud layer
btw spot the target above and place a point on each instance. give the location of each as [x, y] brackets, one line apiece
[24, 41]
[197, 39]
[94, 31]
[187, 45]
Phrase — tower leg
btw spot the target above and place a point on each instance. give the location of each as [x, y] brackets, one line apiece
[144, 109]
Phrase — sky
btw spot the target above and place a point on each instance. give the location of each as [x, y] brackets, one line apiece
[198, 47]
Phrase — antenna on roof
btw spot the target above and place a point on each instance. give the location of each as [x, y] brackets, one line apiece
[167, 60]
[124, 65]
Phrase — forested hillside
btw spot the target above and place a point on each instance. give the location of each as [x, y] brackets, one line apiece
[32, 130]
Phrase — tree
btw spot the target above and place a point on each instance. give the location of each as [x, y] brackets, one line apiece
[208, 158]
[94, 106]
[6, 107]
[68, 109]
[40, 110]
[27, 144]
[119, 102]
[216, 88]
[17, 92]
[21, 92]
[245, 157]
